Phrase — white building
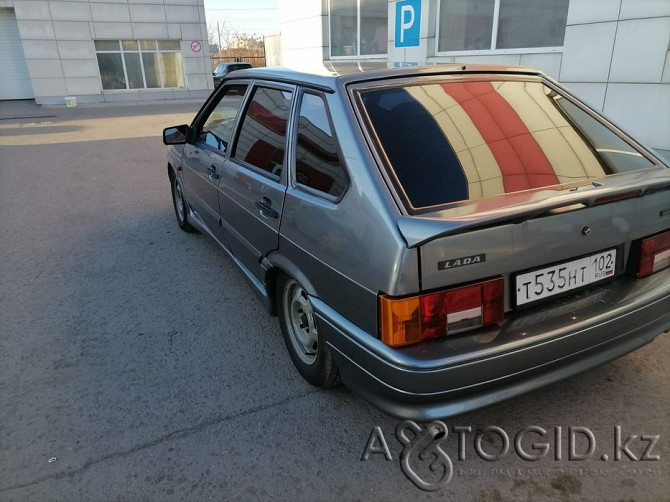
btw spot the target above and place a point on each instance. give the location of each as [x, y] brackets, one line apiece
[614, 54]
[103, 50]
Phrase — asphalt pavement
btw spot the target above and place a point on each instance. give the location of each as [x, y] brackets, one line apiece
[136, 363]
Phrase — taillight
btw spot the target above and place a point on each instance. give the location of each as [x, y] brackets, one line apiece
[412, 319]
[654, 254]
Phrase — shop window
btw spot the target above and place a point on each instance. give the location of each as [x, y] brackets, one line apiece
[358, 27]
[139, 64]
[476, 25]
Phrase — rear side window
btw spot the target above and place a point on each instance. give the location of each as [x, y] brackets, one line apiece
[262, 137]
[454, 141]
[317, 161]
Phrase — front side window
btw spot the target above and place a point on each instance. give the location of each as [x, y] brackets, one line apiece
[217, 130]
[475, 25]
[358, 27]
[139, 64]
[317, 161]
[262, 138]
[476, 139]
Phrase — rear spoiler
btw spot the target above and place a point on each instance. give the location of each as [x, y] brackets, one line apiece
[518, 207]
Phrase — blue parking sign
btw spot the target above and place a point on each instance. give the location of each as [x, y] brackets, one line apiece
[408, 23]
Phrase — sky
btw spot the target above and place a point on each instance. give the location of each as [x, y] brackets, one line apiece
[250, 17]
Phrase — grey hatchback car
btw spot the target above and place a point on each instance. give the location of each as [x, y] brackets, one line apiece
[439, 238]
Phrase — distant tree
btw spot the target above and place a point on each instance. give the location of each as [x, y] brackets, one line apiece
[222, 34]
[252, 42]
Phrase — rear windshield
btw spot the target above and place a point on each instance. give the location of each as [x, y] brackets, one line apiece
[455, 141]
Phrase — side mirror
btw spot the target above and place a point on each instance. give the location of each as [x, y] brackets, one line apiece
[175, 135]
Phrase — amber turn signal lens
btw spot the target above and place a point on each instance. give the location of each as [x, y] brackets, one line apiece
[400, 321]
[409, 320]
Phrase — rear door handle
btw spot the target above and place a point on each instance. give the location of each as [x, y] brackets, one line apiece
[213, 175]
[266, 208]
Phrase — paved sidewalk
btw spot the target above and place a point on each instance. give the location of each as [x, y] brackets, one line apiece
[24, 123]
[18, 110]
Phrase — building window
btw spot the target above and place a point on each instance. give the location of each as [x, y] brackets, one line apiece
[139, 64]
[476, 25]
[358, 27]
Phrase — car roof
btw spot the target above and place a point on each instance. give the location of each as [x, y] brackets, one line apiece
[331, 77]
[234, 63]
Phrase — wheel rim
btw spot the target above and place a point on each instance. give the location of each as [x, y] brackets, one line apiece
[300, 324]
[178, 200]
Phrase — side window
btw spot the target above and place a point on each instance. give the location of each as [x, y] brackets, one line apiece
[218, 128]
[262, 138]
[317, 162]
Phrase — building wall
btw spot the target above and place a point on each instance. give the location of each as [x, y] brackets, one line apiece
[304, 33]
[58, 42]
[272, 44]
[616, 55]
[617, 58]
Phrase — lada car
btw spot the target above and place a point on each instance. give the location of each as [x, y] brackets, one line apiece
[438, 238]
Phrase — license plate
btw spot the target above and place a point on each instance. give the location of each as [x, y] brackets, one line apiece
[557, 279]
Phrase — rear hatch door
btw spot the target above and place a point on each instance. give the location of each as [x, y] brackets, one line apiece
[544, 243]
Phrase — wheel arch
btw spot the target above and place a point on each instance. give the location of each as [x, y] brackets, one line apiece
[276, 264]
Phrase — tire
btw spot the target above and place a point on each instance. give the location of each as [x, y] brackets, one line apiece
[180, 205]
[305, 344]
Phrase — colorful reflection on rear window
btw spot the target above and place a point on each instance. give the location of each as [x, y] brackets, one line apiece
[454, 141]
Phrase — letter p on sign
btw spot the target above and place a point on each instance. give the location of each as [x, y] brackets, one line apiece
[408, 23]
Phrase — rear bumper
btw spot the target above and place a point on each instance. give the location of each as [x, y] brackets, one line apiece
[531, 349]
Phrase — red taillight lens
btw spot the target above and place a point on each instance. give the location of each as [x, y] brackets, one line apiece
[654, 254]
[494, 301]
[433, 316]
[410, 320]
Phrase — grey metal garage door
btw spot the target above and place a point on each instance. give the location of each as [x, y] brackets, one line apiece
[14, 77]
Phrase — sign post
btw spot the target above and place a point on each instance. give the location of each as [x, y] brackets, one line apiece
[408, 23]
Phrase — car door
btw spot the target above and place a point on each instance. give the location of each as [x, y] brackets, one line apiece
[204, 155]
[253, 181]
